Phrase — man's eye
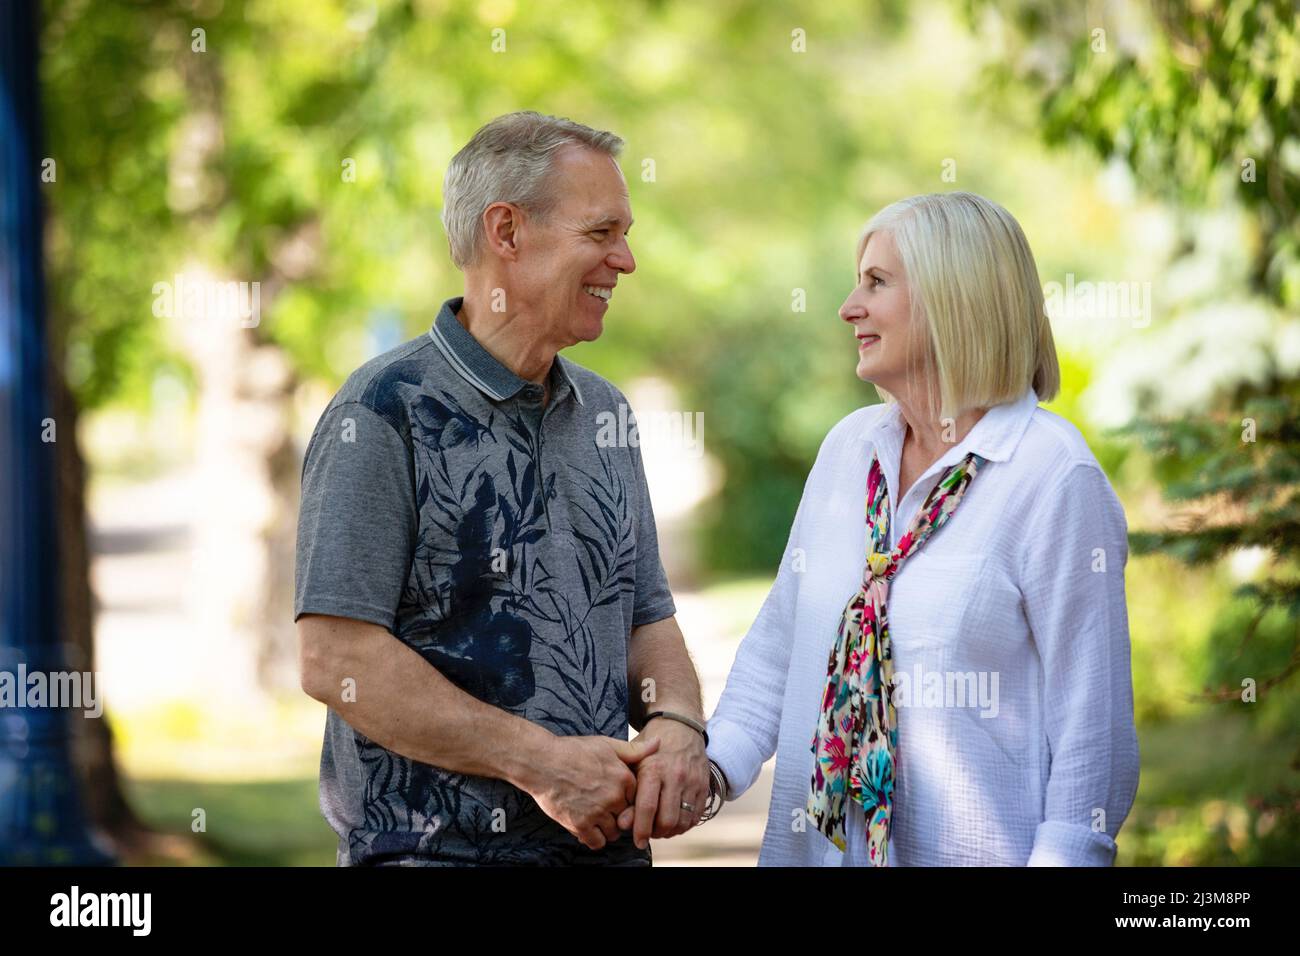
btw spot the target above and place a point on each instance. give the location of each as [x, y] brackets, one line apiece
[600, 232]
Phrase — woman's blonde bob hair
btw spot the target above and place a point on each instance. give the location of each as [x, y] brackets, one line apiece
[977, 305]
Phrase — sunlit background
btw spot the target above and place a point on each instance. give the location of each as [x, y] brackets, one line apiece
[301, 145]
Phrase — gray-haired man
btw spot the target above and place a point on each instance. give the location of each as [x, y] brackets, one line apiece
[455, 497]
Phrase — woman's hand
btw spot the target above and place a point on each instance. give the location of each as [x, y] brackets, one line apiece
[678, 773]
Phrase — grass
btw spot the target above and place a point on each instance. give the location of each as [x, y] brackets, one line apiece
[261, 823]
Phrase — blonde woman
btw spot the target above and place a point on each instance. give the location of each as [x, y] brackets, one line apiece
[942, 666]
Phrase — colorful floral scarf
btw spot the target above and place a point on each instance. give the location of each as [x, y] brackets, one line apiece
[857, 732]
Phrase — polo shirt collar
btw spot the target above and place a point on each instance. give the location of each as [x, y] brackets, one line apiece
[994, 437]
[477, 365]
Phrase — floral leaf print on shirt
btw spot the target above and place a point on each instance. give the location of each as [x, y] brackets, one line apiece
[495, 620]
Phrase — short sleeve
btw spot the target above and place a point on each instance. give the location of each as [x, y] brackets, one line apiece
[1072, 581]
[357, 522]
[653, 600]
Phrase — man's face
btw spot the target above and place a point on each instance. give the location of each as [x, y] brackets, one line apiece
[580, 245]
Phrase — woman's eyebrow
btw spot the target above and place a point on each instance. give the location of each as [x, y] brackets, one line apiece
[883, 272]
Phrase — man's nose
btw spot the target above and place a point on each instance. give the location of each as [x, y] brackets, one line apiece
[622, 258]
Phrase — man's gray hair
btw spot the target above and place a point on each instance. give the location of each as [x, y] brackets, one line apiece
[508, 160]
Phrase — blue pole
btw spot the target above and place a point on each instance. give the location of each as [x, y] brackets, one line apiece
[41, 820]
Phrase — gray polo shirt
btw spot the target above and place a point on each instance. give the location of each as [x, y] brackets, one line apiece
[513, 547]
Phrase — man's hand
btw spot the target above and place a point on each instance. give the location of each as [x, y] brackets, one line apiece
[678, 773]
[583, 783]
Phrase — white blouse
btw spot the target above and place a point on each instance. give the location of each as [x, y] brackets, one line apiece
[1016, 742]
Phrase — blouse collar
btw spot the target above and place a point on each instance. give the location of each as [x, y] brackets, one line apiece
[994, 437]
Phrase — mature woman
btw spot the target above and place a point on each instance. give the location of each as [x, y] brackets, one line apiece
[946, 682]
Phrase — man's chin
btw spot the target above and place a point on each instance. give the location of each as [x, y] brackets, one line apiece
[589, 331]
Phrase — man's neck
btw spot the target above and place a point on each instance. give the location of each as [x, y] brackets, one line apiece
[510, 338]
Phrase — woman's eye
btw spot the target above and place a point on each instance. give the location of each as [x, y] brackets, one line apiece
[876, 281]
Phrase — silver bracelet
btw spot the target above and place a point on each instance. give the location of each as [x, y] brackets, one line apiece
[717, 793]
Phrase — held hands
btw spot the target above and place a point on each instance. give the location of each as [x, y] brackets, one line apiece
[585, 783]
[677, 773]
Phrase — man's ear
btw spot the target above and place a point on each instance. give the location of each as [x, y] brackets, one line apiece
[501, 222]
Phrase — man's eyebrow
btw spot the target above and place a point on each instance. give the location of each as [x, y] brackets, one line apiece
[610, 221]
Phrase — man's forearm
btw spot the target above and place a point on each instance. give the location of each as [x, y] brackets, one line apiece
[403, 703]
[660, 673]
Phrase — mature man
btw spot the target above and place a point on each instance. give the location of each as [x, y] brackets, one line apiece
[455, 497]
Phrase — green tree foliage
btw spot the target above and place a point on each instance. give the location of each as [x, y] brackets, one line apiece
[1199, 98]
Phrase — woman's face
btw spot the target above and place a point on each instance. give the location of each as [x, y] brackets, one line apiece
[879, 310]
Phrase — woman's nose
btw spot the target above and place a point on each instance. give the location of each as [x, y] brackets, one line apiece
[851, 311]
